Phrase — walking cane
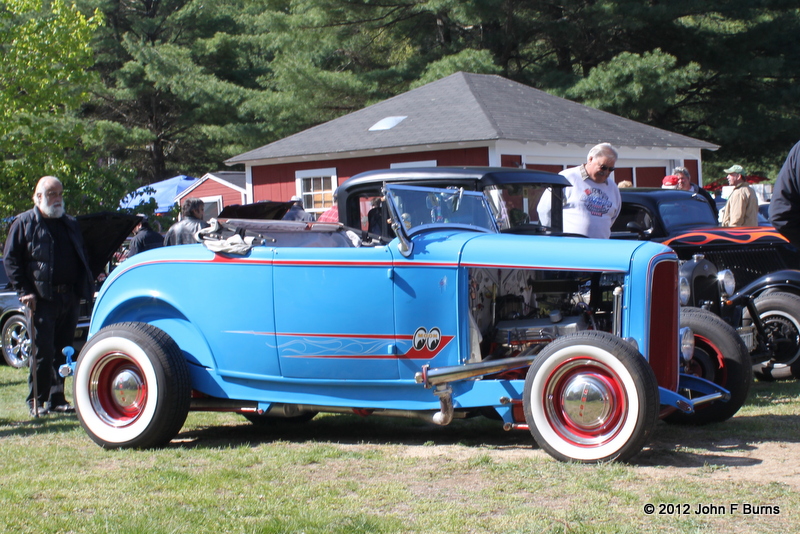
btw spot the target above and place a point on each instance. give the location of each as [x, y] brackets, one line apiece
[32, 358]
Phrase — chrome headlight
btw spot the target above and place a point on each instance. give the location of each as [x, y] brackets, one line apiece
[687, 343]
[727, 283]
[684, 290]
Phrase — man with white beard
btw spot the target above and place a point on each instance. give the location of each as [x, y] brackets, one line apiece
[46, 263]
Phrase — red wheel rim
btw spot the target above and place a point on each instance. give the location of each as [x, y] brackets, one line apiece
[117, 390]
[585, 402]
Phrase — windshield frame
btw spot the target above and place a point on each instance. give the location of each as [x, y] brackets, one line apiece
[451, 201]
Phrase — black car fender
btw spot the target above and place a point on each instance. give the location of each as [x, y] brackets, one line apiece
[787, 280]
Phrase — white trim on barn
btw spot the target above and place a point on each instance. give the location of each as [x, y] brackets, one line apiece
[412, 164]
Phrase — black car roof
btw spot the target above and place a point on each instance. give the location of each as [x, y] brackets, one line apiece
[473, 175]
[473, 178]
[651, 198]
[653, 195]
[267, 209]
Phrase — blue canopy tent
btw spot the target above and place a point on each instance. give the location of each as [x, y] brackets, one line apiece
[165, 193]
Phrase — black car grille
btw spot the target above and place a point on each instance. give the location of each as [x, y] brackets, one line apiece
[752, 262]
[705, 292]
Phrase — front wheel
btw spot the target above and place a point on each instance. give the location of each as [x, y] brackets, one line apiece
[590, 397]
[16, 341]
[131, 387]
[720, 356]
[780, 314]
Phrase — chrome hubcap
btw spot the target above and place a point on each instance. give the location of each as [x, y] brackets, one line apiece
[586, 401]
[126, 388]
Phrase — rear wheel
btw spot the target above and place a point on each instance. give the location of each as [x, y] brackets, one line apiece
[780, 314]
[720, 356]
[590, 397]
[16, 341]
[131, 387]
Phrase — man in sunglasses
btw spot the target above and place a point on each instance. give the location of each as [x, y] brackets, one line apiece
[592, 203]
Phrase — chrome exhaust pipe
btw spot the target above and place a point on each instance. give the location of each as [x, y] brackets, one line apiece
[442, 375]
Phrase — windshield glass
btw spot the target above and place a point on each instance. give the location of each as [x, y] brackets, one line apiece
[679, 214]
[422, 208]
[515, 205]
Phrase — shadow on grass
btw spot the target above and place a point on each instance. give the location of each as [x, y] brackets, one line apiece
[685, 459]
[723, 444]
[728, 443]
[46, 424]
[732, 443]
[765, 394]
[353, 430]
[23, 381]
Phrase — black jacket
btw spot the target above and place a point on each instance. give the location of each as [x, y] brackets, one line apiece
[29, 256]
[145, 239]
[183, 232]
[784, 207]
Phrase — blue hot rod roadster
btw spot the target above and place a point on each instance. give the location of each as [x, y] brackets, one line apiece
[577, 340]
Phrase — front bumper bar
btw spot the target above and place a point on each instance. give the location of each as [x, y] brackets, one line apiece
[703, 391]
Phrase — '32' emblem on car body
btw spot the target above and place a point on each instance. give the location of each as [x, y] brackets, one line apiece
[423, 339]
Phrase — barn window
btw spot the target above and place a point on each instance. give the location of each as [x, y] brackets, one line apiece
[315, 187]
[386, 123]
[213, 205]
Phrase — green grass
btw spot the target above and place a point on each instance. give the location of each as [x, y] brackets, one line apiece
[347, 474]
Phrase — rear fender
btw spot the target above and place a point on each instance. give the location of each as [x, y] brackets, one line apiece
[163, 315]
[9, 313]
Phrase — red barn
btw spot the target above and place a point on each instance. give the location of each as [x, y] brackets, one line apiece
[217, 190]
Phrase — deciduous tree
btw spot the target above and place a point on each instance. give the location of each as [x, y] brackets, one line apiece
[44, 79]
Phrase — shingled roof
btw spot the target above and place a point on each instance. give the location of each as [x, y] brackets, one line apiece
[466, 107]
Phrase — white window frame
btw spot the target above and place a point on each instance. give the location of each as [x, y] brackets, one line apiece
[216, 199]
[304, 176]
[409, 164]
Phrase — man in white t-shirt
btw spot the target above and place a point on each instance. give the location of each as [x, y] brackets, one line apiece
[592, 203]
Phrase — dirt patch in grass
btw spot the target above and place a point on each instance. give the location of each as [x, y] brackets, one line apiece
[729, 460]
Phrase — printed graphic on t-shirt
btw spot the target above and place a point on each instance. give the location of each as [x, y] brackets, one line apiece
[596, 201]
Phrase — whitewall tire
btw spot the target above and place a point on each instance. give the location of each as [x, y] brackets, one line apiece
[131, 387]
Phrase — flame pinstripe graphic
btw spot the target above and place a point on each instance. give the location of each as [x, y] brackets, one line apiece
[744, 236]
[347, 346]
